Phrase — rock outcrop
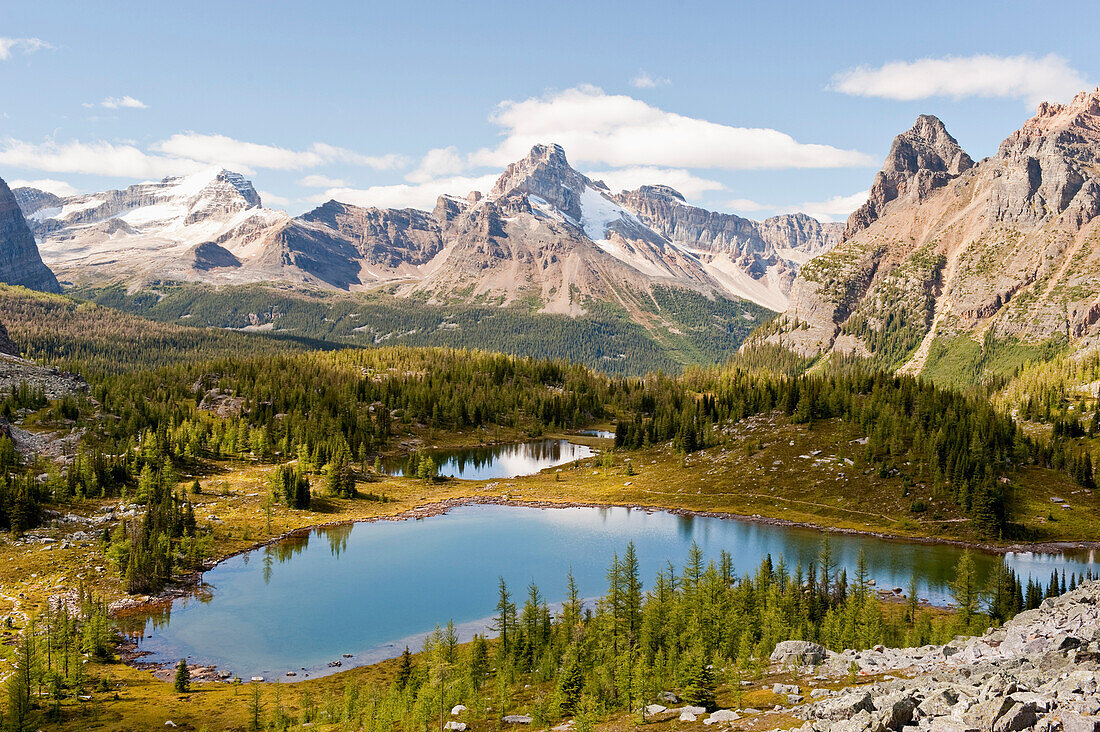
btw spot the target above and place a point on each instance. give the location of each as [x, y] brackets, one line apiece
[1048, 168]
[7, 345]
[1041, 670]
[20, 261]
[920, 160]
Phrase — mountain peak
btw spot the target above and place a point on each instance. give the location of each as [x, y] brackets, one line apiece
[212, 182]
[545, 172]
[660, 191]
[921, 159]
[1078, 113]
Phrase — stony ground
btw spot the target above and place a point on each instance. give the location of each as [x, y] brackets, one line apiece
[1039, 671]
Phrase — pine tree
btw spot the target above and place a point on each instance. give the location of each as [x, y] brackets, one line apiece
[964, 589]
[701, 686]
[570, 683]
[183, 677]
[404, 669]
[505, 619]
[21, 682]
[479, 659]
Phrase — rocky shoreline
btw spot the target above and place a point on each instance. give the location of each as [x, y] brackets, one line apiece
[1040, 670]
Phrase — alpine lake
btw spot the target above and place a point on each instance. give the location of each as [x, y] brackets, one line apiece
[355, 594]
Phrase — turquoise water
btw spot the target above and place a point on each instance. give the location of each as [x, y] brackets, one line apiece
[369, 589]
[495, 462]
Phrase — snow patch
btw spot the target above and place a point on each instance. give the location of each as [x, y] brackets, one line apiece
[598, 213]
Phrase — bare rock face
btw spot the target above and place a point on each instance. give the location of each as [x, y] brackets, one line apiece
[1049, 167]
[31, 200]
[386, 237]
[545, 173]
[920, 160]
[20, 262]
[209, 255]
[7, 345]
[800, 237]
[753, 259]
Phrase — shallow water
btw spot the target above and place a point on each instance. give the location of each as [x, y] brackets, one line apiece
[369, 589]
[602, 434]
[494, 462]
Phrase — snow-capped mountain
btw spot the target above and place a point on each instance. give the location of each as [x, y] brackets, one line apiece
[754, 260]
[545, 231]
[177, 227]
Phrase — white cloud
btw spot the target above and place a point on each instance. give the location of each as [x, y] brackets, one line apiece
[8, 46]
[438, 162]
[610, 129]
[321, 181]
[273, 199]
[56, 187]
[245, 156]
[643, 80]
[121, 160]
[745, 204]
[127, 102]
[692, 186]
[179, 154]
[404, 195]
[1030, 78]
[836, 208]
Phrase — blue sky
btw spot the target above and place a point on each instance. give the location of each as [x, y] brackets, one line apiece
[755, 108]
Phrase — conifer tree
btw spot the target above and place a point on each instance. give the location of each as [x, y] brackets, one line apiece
[404, 669]
[701, 684]
[182, 683]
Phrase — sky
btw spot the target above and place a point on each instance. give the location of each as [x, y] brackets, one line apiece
[752, 108]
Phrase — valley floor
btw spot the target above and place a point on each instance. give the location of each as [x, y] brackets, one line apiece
[766, 469]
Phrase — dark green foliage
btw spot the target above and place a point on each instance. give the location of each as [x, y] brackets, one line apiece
[705, 331]
[290, 485]
[701, 684]
[182, 683]
[405, 669]
[165, 539]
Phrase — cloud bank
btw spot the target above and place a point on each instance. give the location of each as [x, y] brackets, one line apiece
[1029, 78]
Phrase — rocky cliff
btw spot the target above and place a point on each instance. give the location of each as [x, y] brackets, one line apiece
[20, 261]
[921, 160]
[757, 260]
[7, 345]
[947, 253]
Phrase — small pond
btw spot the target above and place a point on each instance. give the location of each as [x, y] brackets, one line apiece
[495, 462]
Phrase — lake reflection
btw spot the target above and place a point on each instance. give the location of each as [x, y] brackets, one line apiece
[493, 462]
[369, 589]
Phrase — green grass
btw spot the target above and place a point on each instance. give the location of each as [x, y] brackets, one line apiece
[960, 361]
